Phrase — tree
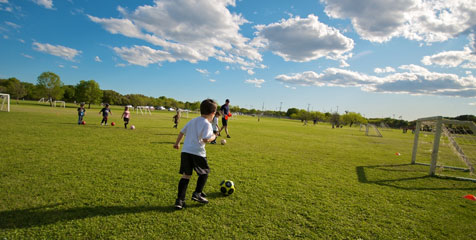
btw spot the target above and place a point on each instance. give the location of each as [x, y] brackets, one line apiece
[69, 93]
[335, 120]
[352, 117]
[88, 92]
[50, 84]
[112, 97]
[291, 111]
[16, 89]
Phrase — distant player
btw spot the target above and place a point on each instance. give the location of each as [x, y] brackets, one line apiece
[81, 113]
[105, 114]
[176, 118]
[224, 110]
[215, 126]
[198, 132]
[126, 116]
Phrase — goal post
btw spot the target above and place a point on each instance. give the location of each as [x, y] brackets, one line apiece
[5, 99]
[447, 146]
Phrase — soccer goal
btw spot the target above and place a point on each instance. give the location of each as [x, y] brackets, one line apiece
[447, 146]
[62, 103]
[5, 99]
[143, 109]
[371, 130]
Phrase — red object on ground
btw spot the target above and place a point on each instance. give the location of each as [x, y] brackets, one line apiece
[83, 122]
[397, 153]
[470, 197]
[113, 124]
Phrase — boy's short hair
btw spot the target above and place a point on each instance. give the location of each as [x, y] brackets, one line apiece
[208, 106]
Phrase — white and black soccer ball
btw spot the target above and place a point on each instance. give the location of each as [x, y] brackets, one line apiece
[227, 187]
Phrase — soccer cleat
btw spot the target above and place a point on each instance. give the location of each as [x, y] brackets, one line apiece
[203, 194]
[213, 142]
[199, 198]
[179, 204]
[228, 136]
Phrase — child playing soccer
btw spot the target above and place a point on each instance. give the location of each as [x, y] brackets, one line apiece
[126, 115]
[176, 118]
[215, 126]
[81, 113]
[194, 156]
[105, 114]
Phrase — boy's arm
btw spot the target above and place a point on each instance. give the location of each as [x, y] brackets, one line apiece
[179, 139]
[209, 140]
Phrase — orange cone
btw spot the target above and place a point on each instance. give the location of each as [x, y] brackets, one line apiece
[470, 197]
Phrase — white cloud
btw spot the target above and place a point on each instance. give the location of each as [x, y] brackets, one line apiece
[45, 3]
[202, 71]
[468, 72]
[256, 82]
[472, 104]
[212, 80]
[61, 66]
[303, 39]
[3, 1]
[414, 80]
[27, 56]
[75, 67]
[250, 72]
[21, 40]
[452, 59]
[183, 33]
[58, 50]
[13, 25]
[384, 70]
[97, 59]
[421, 20]
[217, 72]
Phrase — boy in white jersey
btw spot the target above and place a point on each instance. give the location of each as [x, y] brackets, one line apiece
[198, 132]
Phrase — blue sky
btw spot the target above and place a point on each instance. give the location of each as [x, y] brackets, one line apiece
[381, 58]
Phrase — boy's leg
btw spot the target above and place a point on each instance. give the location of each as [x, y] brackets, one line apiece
[202, 169]
[182, 187]
[201, 181]
[105, 121]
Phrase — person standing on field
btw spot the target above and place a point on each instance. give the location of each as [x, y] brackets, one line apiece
[224, 111]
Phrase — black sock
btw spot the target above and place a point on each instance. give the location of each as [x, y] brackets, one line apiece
[182, 188]
[202, 179]
[125, 125]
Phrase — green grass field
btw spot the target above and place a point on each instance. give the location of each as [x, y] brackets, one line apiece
[61, 180]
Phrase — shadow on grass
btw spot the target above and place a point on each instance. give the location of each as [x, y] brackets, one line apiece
[167, 134]
[162, 143]
[408, 183]
[44, 215]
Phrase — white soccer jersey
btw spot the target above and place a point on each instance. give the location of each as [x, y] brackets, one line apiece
[195, 130]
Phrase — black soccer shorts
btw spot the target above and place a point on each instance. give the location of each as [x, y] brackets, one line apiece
[190, 162]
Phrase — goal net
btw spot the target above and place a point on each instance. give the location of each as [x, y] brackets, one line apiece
[5, 102]
[447, 146]
[372, 130]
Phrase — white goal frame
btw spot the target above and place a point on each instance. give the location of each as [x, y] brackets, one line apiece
[63, 104]
[436, 144]
[367, 130]
[145, 108]
[5, 98]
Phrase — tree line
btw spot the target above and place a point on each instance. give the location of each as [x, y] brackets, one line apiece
[50, 87]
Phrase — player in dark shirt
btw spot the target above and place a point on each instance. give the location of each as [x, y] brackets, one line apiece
[105, 114]
[225, 112]
[81, 113]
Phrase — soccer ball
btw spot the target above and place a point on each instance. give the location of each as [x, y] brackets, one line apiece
[113, 124]
[227, 187]
[83, 122]
[133, 127]
[223, 142]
